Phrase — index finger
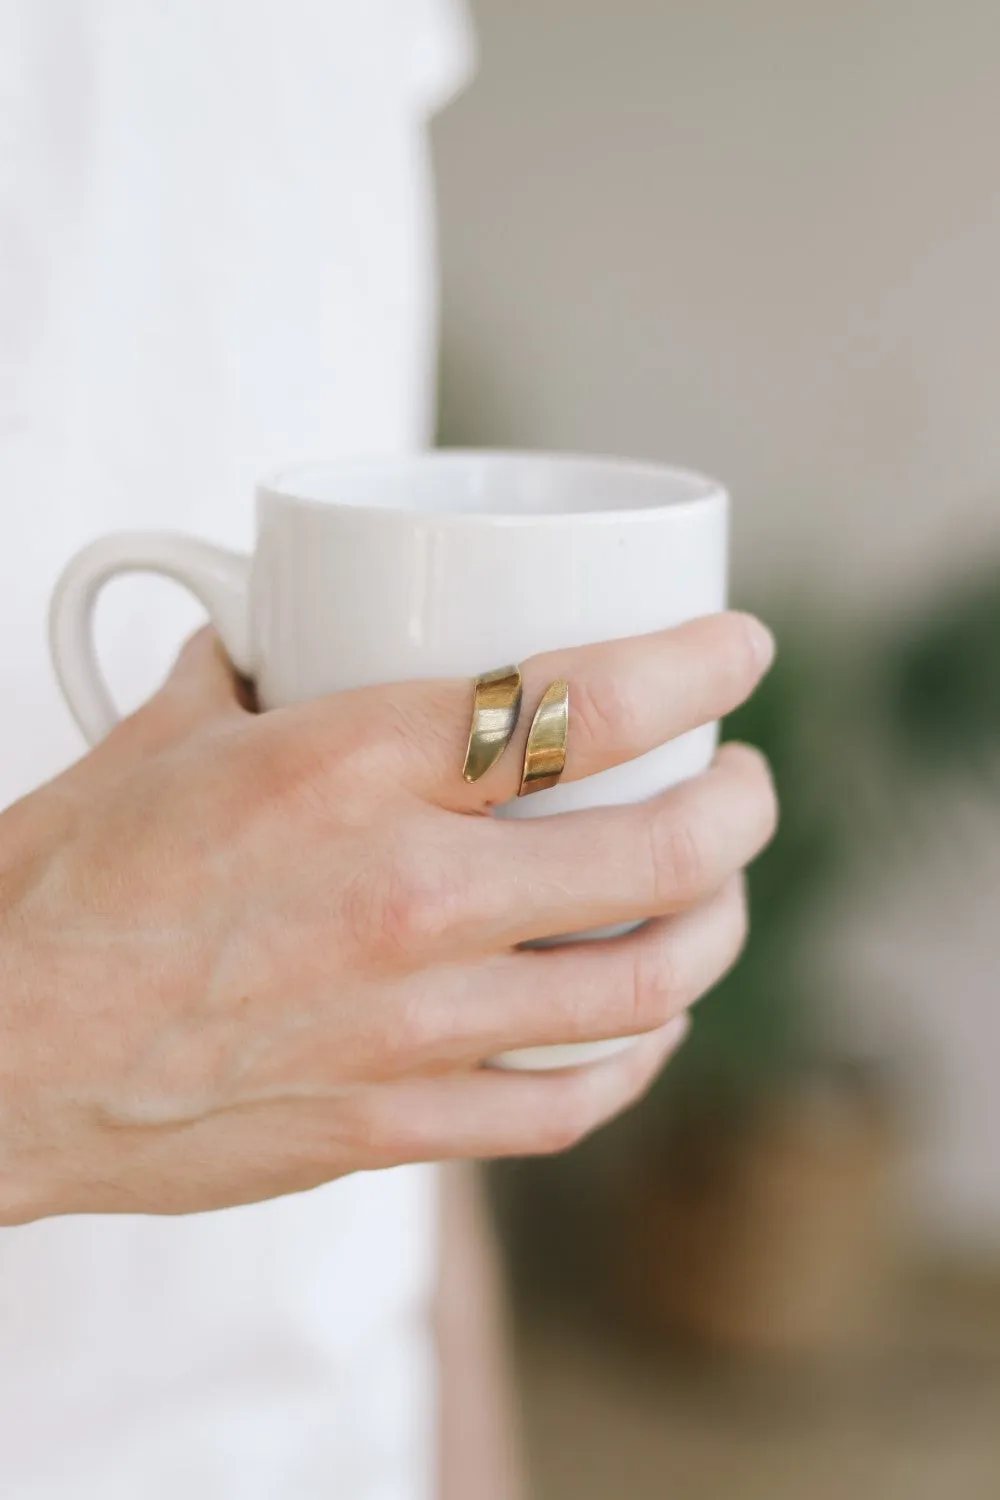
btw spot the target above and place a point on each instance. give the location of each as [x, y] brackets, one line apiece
[626, 697]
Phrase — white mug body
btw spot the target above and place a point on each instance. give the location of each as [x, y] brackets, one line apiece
[438, 565]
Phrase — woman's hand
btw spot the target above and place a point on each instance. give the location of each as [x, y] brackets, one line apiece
[241, 955]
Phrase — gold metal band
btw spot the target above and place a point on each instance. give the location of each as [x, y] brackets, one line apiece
[495, 710]
[545, 752]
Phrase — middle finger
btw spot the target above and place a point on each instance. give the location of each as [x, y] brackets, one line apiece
[547, 877]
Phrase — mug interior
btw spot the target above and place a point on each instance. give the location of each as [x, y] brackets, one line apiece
[459, 482]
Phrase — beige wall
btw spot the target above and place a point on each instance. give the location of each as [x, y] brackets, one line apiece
[759, 236]
[762, 237]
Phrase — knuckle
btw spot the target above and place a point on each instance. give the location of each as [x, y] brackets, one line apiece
[658, 983]
[677, 857]
[293, 774]
[405, 905]
[418, 1033]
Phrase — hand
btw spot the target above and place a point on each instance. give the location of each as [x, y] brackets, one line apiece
[244, 954]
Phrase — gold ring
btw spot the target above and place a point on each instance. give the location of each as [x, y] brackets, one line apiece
[545, 752]
[495, 710]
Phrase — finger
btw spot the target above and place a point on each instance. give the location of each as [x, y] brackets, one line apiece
[590, 869]
[626, 697]
[257, 1151]
[457, 1016]
[584, 992]
[297, 1143]
[490, 1113]
[489, 884]
[292, 1144]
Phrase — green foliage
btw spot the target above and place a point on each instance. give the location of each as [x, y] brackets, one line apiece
[842, 722]
[757, 1021]
[942, 681]
[928, 693]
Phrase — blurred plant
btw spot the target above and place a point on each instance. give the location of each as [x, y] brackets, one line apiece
[756, 1023]
[942, 681]
[756, 1027]
[854, 730]
[929, 695]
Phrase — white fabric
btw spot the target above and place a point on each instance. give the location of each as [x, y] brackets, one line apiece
[215, 258]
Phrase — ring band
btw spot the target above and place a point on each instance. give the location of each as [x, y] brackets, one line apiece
[495, 709]
[545, 752]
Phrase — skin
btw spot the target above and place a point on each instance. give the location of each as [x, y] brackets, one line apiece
[241, 955]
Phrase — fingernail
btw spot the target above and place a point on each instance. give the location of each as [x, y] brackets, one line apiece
[763, 645]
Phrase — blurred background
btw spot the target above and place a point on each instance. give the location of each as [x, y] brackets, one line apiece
[764, 240]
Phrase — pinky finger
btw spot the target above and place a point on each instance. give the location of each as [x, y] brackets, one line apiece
[492, 1114]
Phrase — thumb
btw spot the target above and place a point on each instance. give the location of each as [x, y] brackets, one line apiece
[203, 681]
[202, 686]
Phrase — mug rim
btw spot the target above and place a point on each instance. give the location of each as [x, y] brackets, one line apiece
[704, 492]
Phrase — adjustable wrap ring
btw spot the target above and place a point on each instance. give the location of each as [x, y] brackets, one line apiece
[545, 752]
[496, 706]
[495, 709]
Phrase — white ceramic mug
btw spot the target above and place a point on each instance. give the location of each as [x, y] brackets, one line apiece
[440, 564]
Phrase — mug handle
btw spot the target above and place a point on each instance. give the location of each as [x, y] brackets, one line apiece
[217, 577]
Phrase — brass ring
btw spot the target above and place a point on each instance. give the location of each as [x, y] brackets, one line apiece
[545, 752]
[495, 709]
